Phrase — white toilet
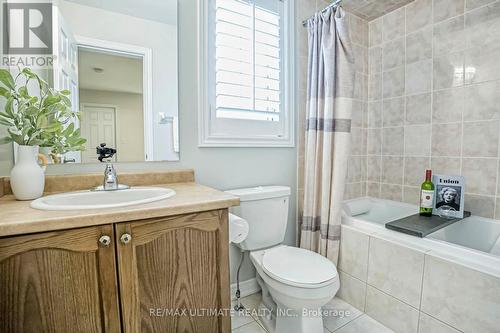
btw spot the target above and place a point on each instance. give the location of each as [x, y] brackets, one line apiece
[295, 282]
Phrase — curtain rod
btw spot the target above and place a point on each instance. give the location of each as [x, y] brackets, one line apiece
[334, 4]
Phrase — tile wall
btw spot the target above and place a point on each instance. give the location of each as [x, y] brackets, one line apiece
[356, 175]
[427, 96]
[411, 288]
[434, 100]
[371, 9]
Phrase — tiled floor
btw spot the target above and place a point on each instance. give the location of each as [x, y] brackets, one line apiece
[344, 318]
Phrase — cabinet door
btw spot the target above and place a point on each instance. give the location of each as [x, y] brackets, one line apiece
[169, 268]
[62, 281]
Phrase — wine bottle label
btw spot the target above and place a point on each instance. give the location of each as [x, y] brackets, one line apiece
[426, 199]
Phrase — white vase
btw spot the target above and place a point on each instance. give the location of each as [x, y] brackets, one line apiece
[27, 178]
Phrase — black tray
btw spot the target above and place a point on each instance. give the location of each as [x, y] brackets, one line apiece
[421, 226]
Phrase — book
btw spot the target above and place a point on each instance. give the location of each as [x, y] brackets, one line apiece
[449, 196]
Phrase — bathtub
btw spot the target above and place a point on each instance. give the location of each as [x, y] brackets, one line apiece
[473, 241]
[412, 284]
[474, 232]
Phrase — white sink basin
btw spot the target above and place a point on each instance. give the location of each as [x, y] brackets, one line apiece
[102, 199]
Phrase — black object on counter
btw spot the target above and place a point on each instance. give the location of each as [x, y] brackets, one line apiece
[421, 226]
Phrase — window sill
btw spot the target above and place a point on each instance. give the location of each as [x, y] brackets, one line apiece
[228, 142]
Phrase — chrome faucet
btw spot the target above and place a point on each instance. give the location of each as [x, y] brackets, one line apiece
[110, 182]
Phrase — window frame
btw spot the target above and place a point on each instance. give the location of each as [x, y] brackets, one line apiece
[206, 109]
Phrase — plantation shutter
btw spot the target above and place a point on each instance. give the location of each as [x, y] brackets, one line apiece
[248, 59]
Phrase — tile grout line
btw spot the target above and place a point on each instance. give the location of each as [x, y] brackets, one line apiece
[261, 325]
[378, 71]
[427, 254]
[468, 193]
[381, 113]
[442, 156]
[421, 295]
[405, 36]
[348, 323]
[394, 297]
[367, 270]
[468, 85]
[248, 324]
[431, 139]
[441, 122]
[465, 11]
[442, 322]
[366, 119]
[358, 280]
[432, 16]
[496, 200]
[462, 109]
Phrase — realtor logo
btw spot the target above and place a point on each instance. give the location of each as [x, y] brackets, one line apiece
[27, 28]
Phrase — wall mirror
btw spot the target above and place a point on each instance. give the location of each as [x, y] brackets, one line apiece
[118, 58]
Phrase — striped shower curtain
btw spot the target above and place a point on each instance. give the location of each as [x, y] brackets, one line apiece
[330, 90]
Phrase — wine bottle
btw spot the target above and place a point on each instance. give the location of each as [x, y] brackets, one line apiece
[427, 195]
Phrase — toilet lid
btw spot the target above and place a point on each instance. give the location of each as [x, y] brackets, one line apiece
[297, 266]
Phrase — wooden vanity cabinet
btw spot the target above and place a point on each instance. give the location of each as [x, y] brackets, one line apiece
[61, 281]
[174, 263]
[71, 281]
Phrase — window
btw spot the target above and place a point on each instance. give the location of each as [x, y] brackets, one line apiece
[247, 80]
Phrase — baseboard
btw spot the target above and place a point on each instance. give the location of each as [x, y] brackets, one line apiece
[247, 288]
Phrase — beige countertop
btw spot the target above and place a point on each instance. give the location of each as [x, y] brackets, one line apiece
[17, 217]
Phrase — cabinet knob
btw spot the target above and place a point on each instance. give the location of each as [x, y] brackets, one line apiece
[125, 238]
[105, 240]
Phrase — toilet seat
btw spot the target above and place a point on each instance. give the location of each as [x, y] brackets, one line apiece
[298, 267]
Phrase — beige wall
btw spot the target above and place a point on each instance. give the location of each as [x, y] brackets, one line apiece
[221, 168]
[129, 121]
[424, 111]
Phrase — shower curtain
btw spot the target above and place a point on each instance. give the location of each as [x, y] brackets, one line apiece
[330, 89]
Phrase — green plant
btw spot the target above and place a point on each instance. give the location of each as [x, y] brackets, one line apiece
[46, 120]
[65, 140]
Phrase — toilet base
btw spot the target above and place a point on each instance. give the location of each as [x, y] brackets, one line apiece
[277, 318]
[292, 321]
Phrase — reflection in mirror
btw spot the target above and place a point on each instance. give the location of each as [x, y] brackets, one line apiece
[134, 47]
[111, 104]
[118, 60]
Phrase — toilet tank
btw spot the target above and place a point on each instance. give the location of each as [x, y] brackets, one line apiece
[266, 210]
